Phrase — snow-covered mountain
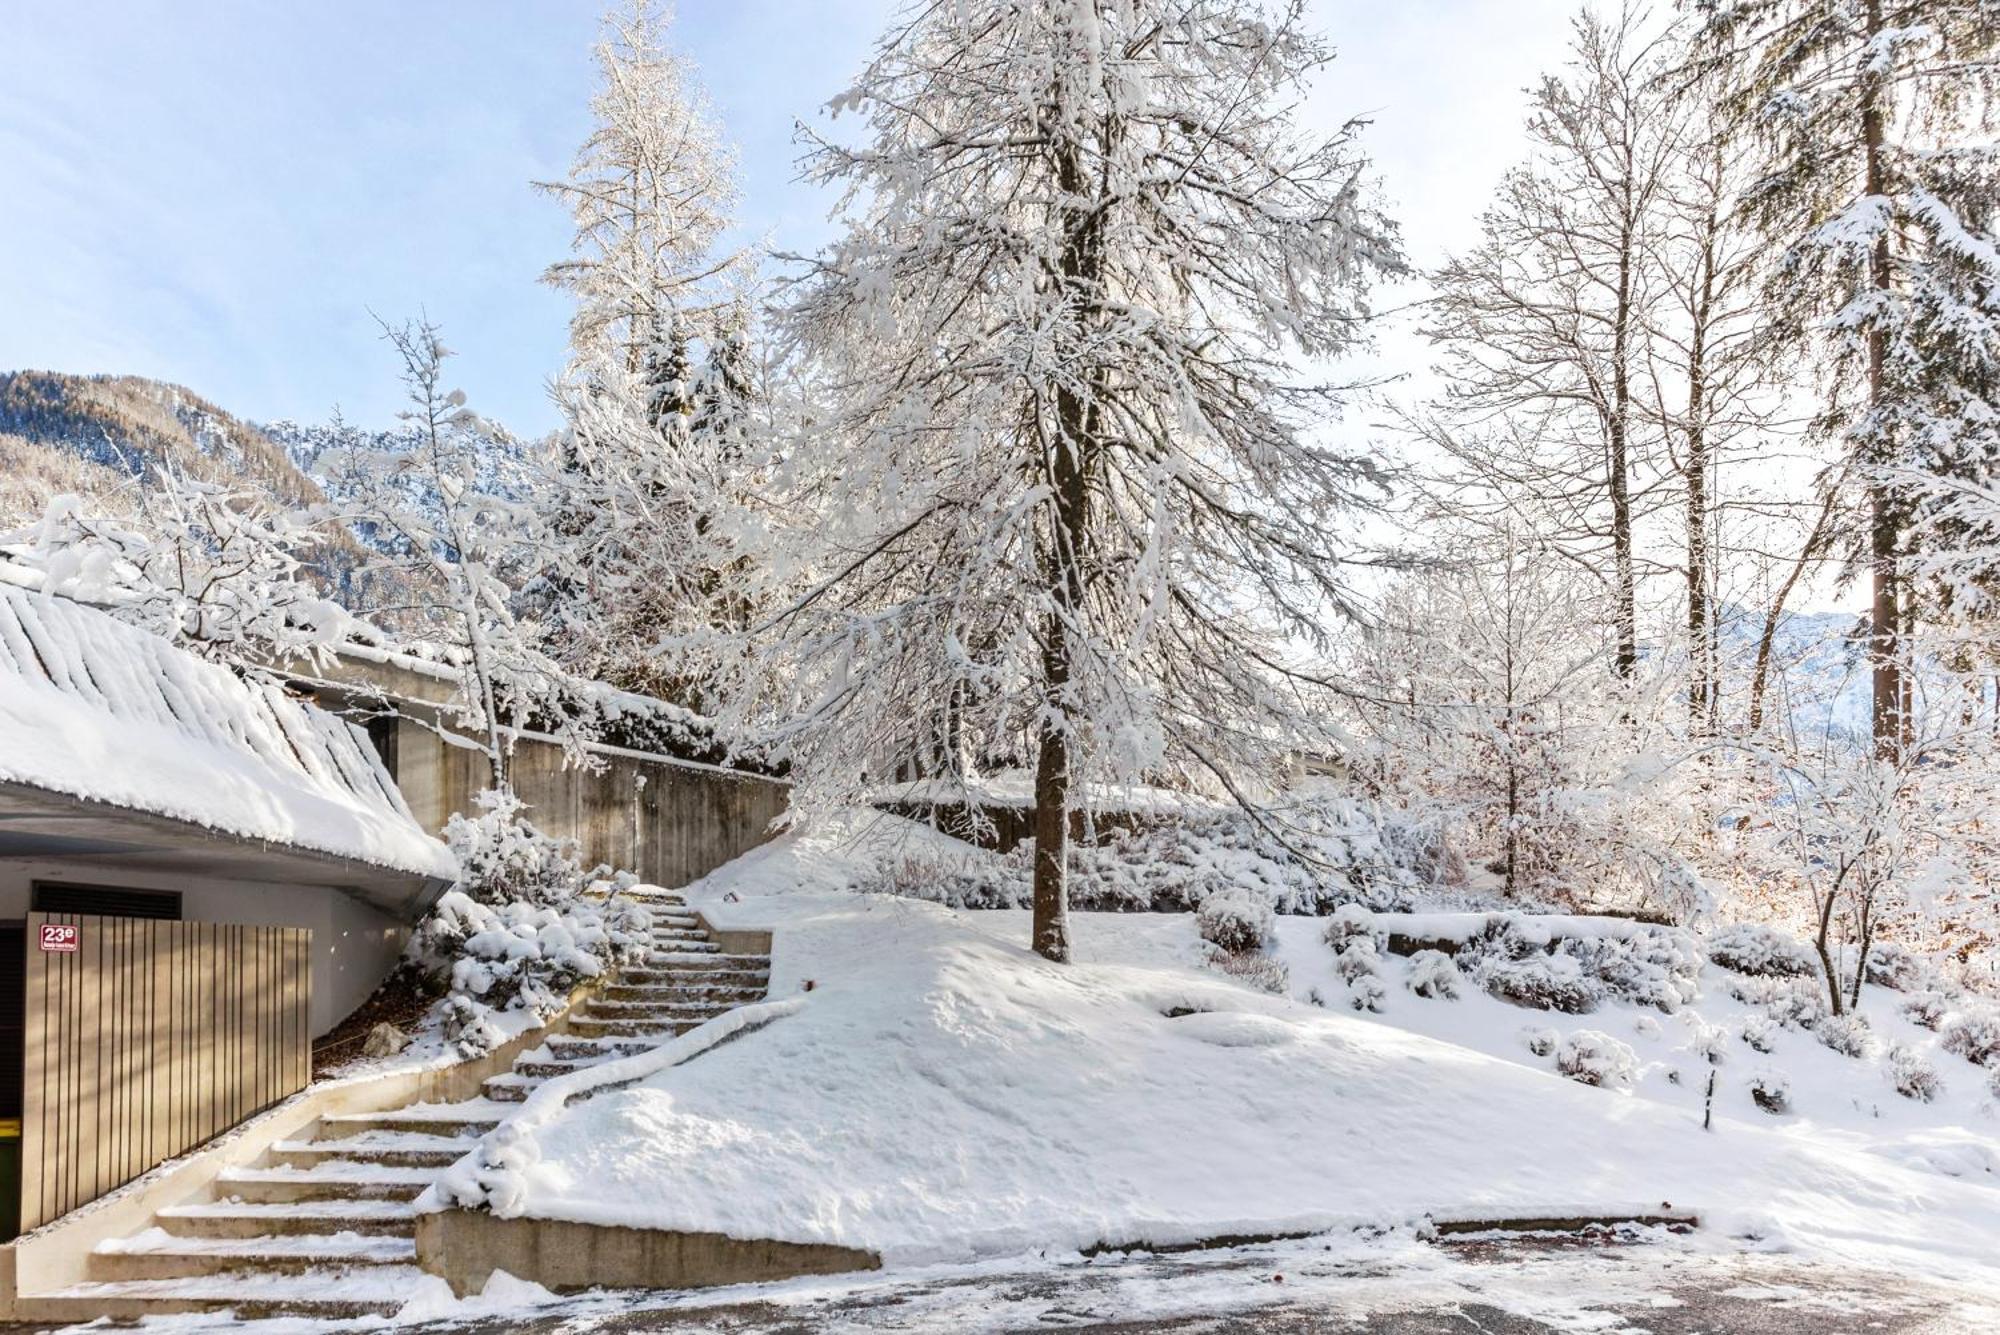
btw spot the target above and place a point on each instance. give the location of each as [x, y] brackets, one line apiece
[96, 434]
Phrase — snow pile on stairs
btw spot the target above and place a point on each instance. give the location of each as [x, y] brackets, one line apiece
[944, 1094]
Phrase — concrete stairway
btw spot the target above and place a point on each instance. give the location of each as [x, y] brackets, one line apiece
[325, 1228]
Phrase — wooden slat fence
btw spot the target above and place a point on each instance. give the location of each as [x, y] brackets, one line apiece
[150, 1039]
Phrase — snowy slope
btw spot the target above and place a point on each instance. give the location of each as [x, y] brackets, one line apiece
[101, 710]
[943, 1094]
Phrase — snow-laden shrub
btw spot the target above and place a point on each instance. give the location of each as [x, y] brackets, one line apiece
[1235, 919]
[1762, 952]
[1974, 1035]
[1348, 921]
[1899, 968]
[1366, 993]
[1708, 1041]
[1791, 1003]
[1542, 982]
[1593, 1058]
[515, 933]
[1646, 1027]
[1760, 1032]
[1359, 965]
[1266, 973]
[1541, 1042]
[1655, 967]
[1913, 1077]
[1173, 864]
[1926, 1010]
[1845, 1034]
[1771, 1090]
[1358, 958]
[1433, 974]
[501, 857]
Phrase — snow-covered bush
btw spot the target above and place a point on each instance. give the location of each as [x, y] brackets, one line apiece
[1791, 1003]
[1175, 864]
[1762, 952]
[1771, 1090]
[1655, 967]
[1926, 1010]
[515, 933]
[1541, 1042]
[1899, 968]
[1366, 993]
[1348, 922]
[1708, 1041]
[1913, 1077]
[1359, 966]
[1974, 1035]
[1593, 1058]
[1760, 1032]
[1266, 973]
[1845, 1034]
[1542, 982]
[1237, 920]
[1433, 974]
[503, 858]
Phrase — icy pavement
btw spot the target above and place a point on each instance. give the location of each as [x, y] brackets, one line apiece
[1392, 1285]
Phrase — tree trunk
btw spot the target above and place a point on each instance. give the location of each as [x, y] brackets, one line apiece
[1071, 461]
[1891, 712]
[1619, 445]
[1760, 675]
[1701, 665]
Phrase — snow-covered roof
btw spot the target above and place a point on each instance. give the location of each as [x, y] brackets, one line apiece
[100, 710]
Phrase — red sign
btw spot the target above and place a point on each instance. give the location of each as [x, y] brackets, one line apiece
[61, 937]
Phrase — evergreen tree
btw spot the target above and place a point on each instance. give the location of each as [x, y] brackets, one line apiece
[1065, 484]
[1875, 188]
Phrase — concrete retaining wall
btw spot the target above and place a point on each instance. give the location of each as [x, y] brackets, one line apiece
[467, 1246]
[672, 822]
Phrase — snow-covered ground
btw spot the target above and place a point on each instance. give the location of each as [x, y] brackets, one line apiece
[944, 1096]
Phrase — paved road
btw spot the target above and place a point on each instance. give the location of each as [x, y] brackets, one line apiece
[1391, 1287]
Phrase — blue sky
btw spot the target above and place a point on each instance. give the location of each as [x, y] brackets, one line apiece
[218, 192]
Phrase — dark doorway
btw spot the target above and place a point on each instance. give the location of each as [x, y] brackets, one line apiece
[106, 901]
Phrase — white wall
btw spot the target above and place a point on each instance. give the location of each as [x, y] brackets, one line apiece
[353, 946]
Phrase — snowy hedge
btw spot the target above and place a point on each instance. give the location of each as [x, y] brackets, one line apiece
[1516, 961]
[1761, 952]
[1174, 865]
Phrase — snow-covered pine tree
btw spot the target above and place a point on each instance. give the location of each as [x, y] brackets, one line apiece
[650, 194]
[1543, 326]
[1065, 485]
[1872, 120]
[641, 479]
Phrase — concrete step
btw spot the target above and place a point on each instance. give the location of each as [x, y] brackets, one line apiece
[331, 1181]
[655, 1029]
[232, 1219]
[655, 1010]
[697, 961]
[386, 1148]
[736, 994]
[513, 1088]
[153, 1257]
[321, 1294]
[704, 975]
[471, 1118]
[569, 1049]
[668, 952]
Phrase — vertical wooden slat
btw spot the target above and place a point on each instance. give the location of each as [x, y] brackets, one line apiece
[150, 1039]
